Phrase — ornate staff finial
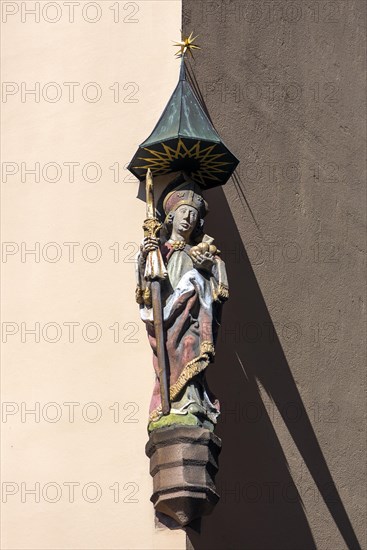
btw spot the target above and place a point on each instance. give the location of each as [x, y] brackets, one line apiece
[186, 45]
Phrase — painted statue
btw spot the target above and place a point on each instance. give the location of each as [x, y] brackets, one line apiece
[182, 284]
[193, 289]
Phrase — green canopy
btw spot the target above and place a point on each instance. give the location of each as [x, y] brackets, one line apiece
[185, 140]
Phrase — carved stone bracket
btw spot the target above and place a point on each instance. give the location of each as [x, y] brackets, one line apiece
[183, 464]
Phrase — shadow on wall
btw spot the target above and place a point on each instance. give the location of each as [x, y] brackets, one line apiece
[260, 507]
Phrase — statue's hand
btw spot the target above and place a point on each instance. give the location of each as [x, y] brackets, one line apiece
[149, 244]
[202, 260]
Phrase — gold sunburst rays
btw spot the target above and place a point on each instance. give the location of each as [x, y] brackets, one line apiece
[209, 167]
[186, 45]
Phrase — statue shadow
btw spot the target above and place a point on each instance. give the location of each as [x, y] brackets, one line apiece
[260, 507]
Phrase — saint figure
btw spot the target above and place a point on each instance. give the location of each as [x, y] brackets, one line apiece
[192, 296]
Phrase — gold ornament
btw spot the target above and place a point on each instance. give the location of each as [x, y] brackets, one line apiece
[186, 45]
[177, 245]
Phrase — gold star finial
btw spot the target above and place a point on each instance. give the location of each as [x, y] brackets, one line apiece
[186, 45]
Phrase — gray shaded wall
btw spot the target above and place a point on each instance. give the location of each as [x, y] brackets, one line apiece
[284, 84]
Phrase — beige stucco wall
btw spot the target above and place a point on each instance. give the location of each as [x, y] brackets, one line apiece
[132, 49]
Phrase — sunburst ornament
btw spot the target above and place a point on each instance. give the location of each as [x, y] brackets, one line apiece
[186, 45]
[206, 163]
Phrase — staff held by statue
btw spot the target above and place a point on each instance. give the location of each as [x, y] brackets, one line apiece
[155, 273]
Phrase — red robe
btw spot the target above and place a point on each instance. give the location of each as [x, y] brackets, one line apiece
[191, 306]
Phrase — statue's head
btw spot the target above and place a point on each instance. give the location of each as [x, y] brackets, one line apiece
[185, 209]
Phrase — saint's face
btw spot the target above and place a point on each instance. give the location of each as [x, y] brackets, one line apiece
[184, 221]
